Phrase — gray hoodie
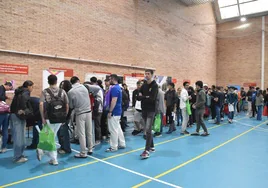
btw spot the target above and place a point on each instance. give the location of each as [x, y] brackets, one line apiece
[160, 102]
[79, 99]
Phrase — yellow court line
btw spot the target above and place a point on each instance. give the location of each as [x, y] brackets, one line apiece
[199, 156]
[105, 159]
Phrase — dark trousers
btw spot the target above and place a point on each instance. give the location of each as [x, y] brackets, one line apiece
[254, 108]
[148, 118]
[104, 124]
[199, 114]
[64, 138]
[192, 117]
[170, 118]
[35, 140]
[213, 111]
[97, 123]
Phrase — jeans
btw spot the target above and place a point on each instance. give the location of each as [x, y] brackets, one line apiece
[35, 140]
[259, 113]
[4, 127]
[64, 138]
[104, 124]
[242, 105]
[18, 133]
[179, 116]
[231, 115]
[148, 118]
[218, 114]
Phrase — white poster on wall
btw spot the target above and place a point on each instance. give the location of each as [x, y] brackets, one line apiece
[132, 85]
[46, 73]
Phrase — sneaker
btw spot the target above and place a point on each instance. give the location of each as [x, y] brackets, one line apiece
[22, 160]
[157, 134]
[135, 132]
[90, 152]
[186, 132]
[169, 132]
[229, 121]
[39, 154]
[97, 142]
[145, 154]
[111, 150]
[152, 150]
[61, 151]
[195, 134]
[205, 134]
[221, 119]
[144, 137]
[31, 147]
[80, 155]
[4, 150]
[121, 147]
[217, 123]
[53, 162]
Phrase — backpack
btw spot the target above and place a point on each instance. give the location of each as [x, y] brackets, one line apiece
[21, 103]
[56, 108]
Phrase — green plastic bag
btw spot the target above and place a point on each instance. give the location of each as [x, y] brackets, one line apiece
[157, 123]
[188, 108]
[47, 139]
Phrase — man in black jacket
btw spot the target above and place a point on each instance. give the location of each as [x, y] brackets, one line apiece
[148, 94]
[3, 88]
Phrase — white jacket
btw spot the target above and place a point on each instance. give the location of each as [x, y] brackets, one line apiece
[184, 98]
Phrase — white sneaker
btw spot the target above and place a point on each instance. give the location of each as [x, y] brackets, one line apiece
[4, 150]
[97, 142]
[53, 162]
[22, 160]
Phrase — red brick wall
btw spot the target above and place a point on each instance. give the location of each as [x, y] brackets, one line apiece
[239, 58]
[160, 34]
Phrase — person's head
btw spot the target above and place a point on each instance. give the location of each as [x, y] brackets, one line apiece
[231, 89]
[199, 85]
[171, 86]
[264, 92]
[252, 88]
[190, 90]
[257, 88]
[259, 92]
[74, 80]
[52, 79]
[149, 74]
[242, 89]
[124, 86]
[66, 85]
[28, 84]
[99, 82]
[114, 79]
[213, 87]
[107, 82]
[139, 84]
[93, 80]
[186, 85]
[179, 90]
[218, 88]
[8, 85]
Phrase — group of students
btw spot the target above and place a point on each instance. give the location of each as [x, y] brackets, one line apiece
[98, 112]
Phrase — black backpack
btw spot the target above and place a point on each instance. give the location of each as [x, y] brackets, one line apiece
[56, 108]
[125, 99]
[20, 102]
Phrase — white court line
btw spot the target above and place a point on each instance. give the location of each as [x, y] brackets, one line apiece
[248, 125]
[131, 171]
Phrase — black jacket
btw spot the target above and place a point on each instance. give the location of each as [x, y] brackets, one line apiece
[149, 94]
[2, 93]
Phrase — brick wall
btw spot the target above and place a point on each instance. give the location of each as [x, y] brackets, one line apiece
[238, 57]
[174, 39]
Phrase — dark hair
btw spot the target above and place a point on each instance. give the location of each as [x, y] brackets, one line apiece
[242, 88]
[171, 84]
[100, 83]
[74, 80]
[213, 86]
[66, 85]
[138, 82]
[218, 88]
[114, 76]
[259, 92]
[150, 71]
[191, 89]
[27, 83]
[52, 79]
[257, 88]
[93, 79]
[200, 84]
[264, 92]
[7, 83]
[184, 83]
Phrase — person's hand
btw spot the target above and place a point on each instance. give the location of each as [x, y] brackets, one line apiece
[109, 115]
[189, 97]
[194, 106]
[140, 94]
[20, 112]
[44, 121]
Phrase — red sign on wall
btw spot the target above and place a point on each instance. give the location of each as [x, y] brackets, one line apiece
[249, 84]
[67, 72]
[13, 69]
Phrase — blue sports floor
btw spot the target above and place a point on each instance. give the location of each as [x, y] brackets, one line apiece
[233, 156]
